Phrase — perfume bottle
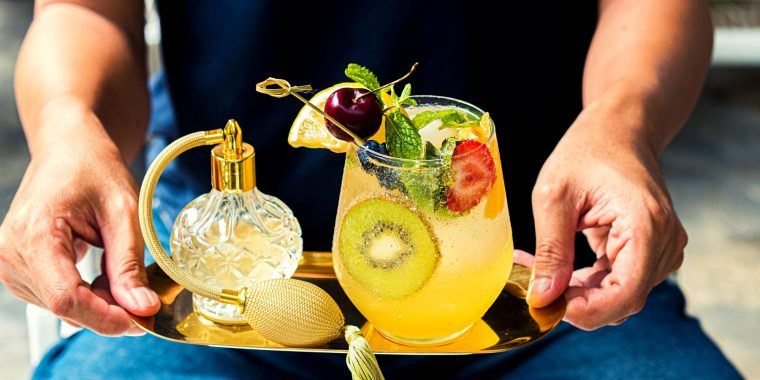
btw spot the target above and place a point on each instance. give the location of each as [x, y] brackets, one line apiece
[235, 235]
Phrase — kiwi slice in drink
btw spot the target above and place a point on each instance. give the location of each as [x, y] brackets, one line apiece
[387, 248]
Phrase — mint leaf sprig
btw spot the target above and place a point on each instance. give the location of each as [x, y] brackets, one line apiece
[363, 76]
[450, 118]
[401, 136]
[405, 99]
[369, 80]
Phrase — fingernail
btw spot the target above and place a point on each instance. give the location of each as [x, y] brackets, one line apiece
[540, 285]
[134, 332]
[144, 297]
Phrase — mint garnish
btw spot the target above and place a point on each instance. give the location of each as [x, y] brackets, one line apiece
[362, 75]
[405, 98]
[426, 187]
[431, 152]
[450, 118]
[457, 125]
[447, 147]
[402, 137]
[406, 92]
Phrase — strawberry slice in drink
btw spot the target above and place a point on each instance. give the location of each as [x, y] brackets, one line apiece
[473, 174]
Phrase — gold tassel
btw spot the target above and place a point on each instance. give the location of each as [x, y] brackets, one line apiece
[360, 359]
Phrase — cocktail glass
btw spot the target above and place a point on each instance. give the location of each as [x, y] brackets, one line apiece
[421, 273]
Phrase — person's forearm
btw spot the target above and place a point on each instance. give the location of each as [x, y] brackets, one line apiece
[647, 63]
[81, 77]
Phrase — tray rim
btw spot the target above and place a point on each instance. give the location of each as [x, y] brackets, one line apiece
[315, 265]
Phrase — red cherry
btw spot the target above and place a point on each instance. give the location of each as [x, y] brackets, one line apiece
[362, 117]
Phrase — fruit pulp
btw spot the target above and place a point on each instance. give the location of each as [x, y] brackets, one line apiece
[474, 253]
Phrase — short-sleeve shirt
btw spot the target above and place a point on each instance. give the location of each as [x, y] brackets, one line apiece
[522, 61]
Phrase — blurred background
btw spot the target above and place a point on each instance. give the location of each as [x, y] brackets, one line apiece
[711, 168]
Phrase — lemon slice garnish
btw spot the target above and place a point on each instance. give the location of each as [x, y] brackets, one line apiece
[483, 128]
[309, 130]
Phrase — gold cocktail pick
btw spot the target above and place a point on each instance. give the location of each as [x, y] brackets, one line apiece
[287, 311]
[284, 89]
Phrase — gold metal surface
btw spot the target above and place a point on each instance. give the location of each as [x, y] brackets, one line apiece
[233, 166]
[213, 137]
[510, 323]
[234, 297]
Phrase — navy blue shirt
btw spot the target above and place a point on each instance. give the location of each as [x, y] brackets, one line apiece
[521, 61]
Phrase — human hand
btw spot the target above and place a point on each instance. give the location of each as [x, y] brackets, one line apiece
[72, 194]
[605, 183]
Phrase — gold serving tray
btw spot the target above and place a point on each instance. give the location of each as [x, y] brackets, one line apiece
[509, 324]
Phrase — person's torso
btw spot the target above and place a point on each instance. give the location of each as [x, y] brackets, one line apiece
[521, 61]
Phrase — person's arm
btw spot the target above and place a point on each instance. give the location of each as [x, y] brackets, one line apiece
[84, 60]
[643, 74]
[83, 101]
[649, 58]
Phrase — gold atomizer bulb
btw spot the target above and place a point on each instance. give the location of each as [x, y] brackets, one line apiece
[233, 168]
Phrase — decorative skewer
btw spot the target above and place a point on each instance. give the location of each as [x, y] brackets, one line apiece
[286, 89]
[282, 88]
[414, 67]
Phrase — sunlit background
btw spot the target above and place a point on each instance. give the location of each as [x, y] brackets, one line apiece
[711, 168]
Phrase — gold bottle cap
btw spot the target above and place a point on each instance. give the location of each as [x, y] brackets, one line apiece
[233, 168]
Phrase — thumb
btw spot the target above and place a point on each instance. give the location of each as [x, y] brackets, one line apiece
[555, 217]
[123, 259]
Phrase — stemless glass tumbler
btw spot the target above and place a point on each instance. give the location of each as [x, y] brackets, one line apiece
[424, 247]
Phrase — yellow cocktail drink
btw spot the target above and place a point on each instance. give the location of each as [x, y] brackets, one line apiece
[423, 247]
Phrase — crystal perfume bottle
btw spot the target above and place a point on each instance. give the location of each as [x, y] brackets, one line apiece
[235, 235]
